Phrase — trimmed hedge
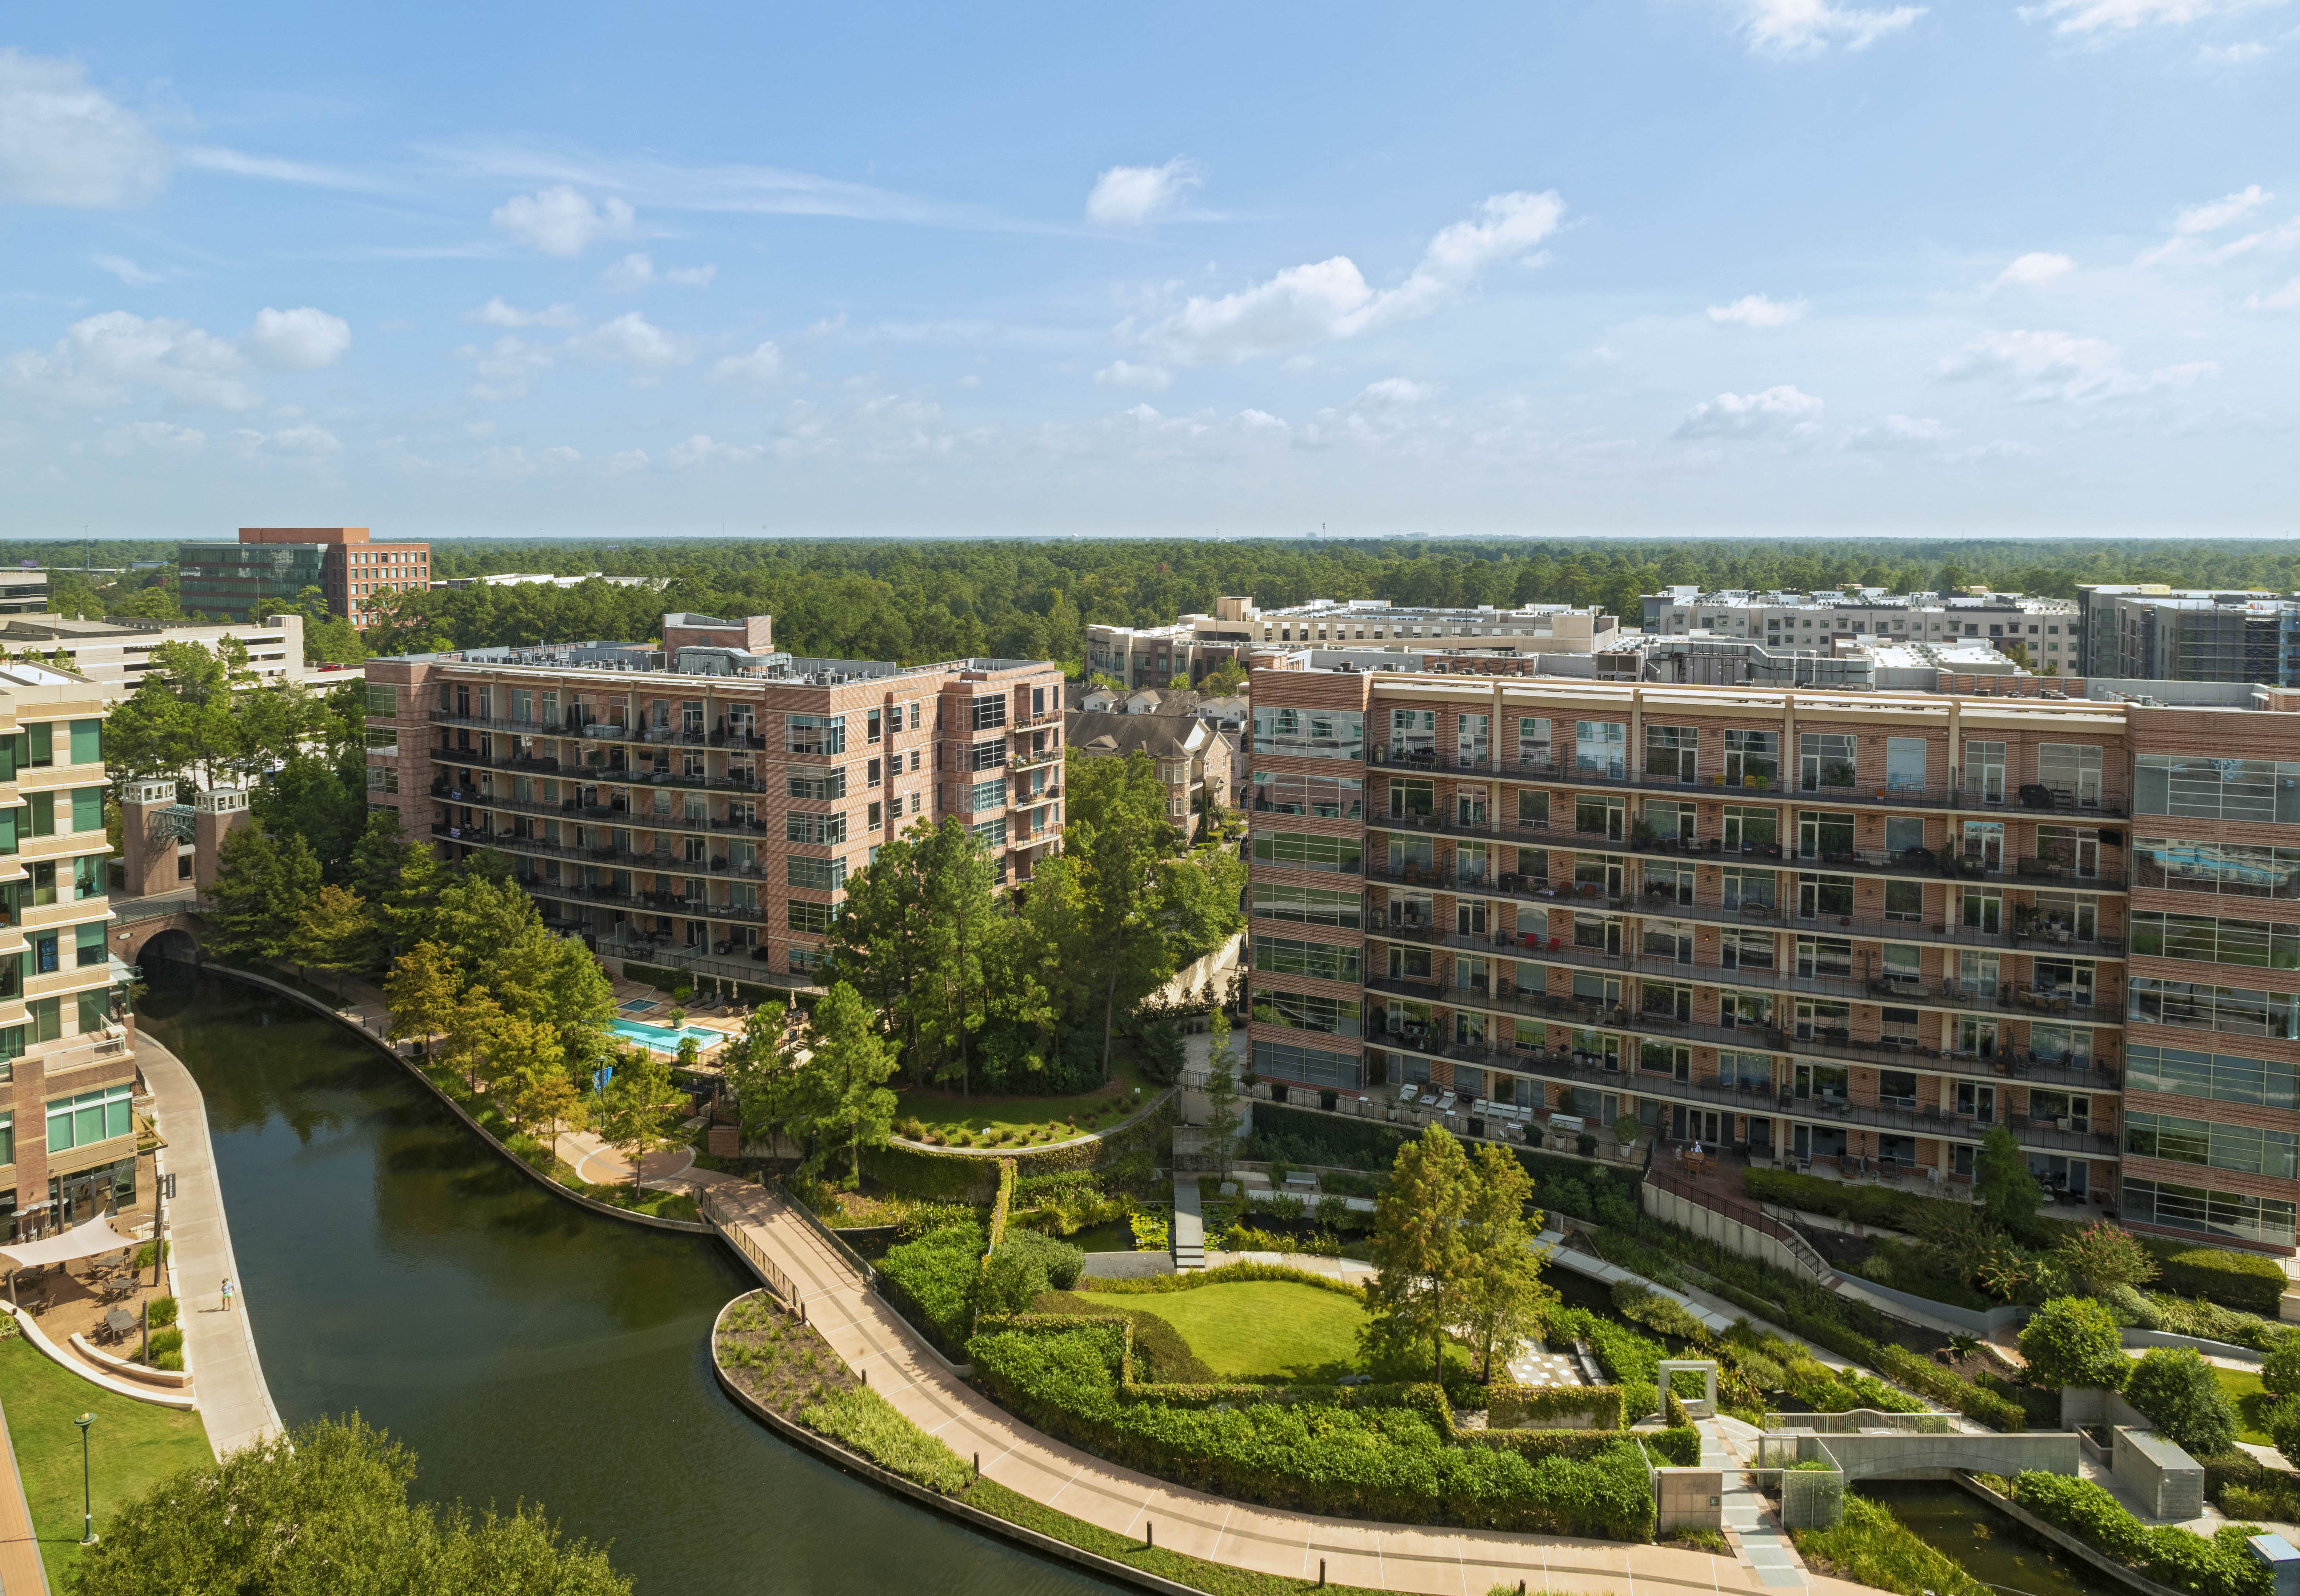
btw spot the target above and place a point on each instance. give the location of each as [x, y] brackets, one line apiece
[1001, 1208]
[2240, 1280]
[1379, 1452]
[930, 1281]
[1515, 1406]
[2171, 1555]
[1946, 1386]
[1152, 1285]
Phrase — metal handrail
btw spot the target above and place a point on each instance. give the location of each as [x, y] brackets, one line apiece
[854, 1260]
[1742, 1213]
[732, 1230]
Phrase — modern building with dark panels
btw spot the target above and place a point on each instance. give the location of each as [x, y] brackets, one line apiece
[268, 570]
[703, 803]
[2155, 633]
[1851, 930]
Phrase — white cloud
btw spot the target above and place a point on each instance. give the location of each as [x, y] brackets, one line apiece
[2001, 448]
[1132, 196]
[700, 450]
[2218, 213]
[308, 443]
[62, 143]
[1125, 373]
[2047, 365]
[1395, 390]
[626, 461]
[2124, 16]
[1305, 306]
[103, 359]
[759, 368]
[159, 437]
[632, 341]
[1754, 310]
[495, 313]
[2238, 54]
[1808, 26]
[2034, 270]
[563, 221]
[505, 369]
[1900, 432]
[2286, 297]
[635, 272]
[239, 164]
[1778, 410]
[125, 270]
[298, 340]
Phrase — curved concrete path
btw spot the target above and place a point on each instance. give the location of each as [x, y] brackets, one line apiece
[219, 1344]
[1383, 1557]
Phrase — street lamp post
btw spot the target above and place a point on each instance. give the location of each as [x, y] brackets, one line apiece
[86, 1496]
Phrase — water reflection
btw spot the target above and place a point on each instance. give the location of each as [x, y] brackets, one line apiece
[1994, 1548]
[396, 1266]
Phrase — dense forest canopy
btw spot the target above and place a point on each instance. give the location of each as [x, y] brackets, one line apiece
[918, 600]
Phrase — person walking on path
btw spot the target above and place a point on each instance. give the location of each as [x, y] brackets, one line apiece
[227, 1293]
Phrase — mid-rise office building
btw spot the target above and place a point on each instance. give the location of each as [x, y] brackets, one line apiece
[2155, 633]
[67, 1131]
[271, 567]
[1815, 926]
[2049, 630]
[1157, 655]
[23, 592]
[702, 803]
[118, 654]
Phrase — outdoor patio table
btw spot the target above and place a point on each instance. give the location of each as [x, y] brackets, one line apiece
[119, 1321]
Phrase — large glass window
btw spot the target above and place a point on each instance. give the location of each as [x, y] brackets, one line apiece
[1672, 752]
[2226, 869]
[1413, 734]
[2220, 1077]
[1753, 758]
[1311, 906]
[2262, 944]
[811, 919]
[1330, 797]
[1533, 747]
[815, 734]
[1307, 1011]
[989, 711]
[988, 756]
[814, 876]
[1317, 733]
[1282, 1061]
[816, 784]
[88, 1118]
[1824, 759]
[1324, 961]
[2208, 789]
[813, 828]
[1307, 850]
[2196, 1208]
[2071, 770]
[2199, 1006]
[1750, 830]
[2245, 1149]
[1600, 749]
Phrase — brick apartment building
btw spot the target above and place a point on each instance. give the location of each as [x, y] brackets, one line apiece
[269, 568]
[67, 1133]
[703, 803]
[1815, 926]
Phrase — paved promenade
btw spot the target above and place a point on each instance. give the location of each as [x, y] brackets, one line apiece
[871, 1337]
[21, 1573]
[219, 1346]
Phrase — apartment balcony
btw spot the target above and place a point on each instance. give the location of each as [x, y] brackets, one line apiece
[1032, 761]
[2018, 999]
[2001, 1061]
[1768, 1099]
[83, 1054]
[1660, 901]
[602, 732]
[1916, 863]
[645, 903]
[660, 861]
[575, 809]
[2039, 799]
[620, 775]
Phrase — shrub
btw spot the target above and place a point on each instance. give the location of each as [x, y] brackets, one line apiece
[2175, 1388]
[1219, 1274]
[866, 1421]
[2168, 1555]
[1944, 1385]
[2072, 1340]
[1022, 1268]
[162, 1310]
[147, 1255]
[2279, 1372]
[1870, 1547]
[1523, 1406]
[2283, 1427]
[1375, 1452]
[931, 1281]
[164, 1341]
[172, 1359]
[2103, 1256]
[2242, 1280]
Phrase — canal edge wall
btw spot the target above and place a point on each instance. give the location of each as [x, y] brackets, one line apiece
[2091, 1554]
[651, 1221]
[233, 1397]
[966, 1513]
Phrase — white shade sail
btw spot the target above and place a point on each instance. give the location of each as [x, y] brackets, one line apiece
[81, 1242]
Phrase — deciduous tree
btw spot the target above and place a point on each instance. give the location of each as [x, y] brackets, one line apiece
[336, 933]
[638, 1109]
[2002, 1182]
[2074, 1341]
[1503, 1300]
[2176, 1389]
[851, 1061]
[262, 891]
[420, 992]
[1420, 1249]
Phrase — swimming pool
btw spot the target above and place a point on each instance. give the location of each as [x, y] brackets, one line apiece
[662, 1039]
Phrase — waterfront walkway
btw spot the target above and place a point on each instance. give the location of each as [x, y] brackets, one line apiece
[22, 1572]
[219, 1345]
[874, 1339]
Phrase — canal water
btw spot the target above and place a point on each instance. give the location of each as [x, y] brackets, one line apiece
[1994, 1548]
[526, 1350]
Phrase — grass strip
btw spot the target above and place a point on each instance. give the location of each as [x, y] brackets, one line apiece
[1870, 1547]
[866, 1421]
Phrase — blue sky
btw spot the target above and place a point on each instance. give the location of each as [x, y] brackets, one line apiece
[1739, 266]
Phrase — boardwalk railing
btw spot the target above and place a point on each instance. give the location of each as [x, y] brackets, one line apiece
[1747, 1215]
[838, 1243]
[740, 1240]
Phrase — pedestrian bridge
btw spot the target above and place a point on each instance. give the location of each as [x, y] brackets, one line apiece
[1867, 1445]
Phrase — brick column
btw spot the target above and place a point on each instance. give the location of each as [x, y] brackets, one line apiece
[217, 813]
[147, 837]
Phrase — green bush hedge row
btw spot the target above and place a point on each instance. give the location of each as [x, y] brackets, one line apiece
[930, 1281]
[1151, 1286]
[1516, 1407]
[1369, 1452]
[2168, 1555]
[2239, 1280]
[1947, 1386]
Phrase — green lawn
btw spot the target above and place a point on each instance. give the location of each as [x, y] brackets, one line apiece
[2252, 1402]
[1020, 1122]
[1263, 1327]
[131, 1446]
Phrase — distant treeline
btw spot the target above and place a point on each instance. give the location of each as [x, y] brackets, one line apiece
[918, 600]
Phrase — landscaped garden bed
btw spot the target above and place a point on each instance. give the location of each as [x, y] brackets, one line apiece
[938, 1119]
